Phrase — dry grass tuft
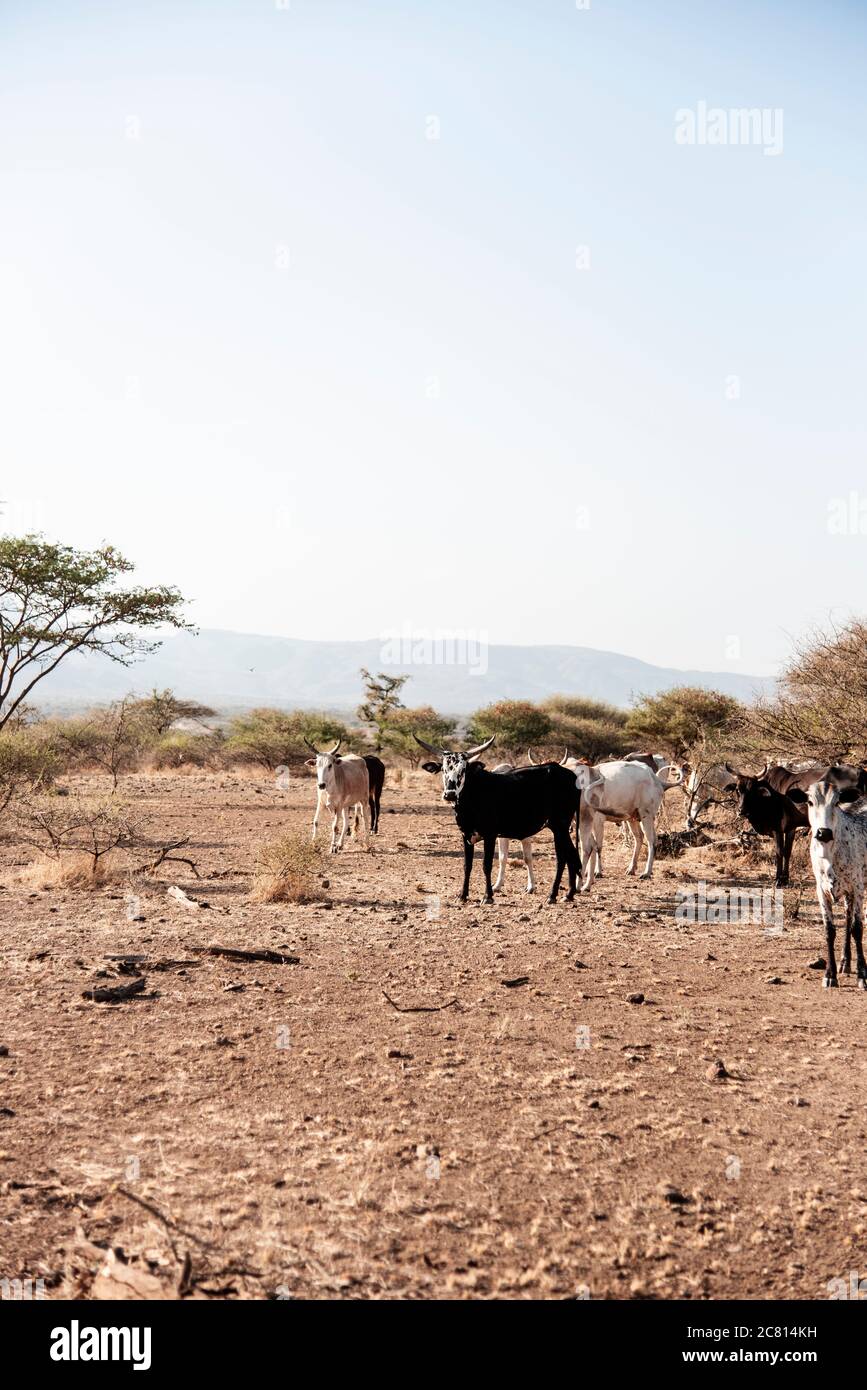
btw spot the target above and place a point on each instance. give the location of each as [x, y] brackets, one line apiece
[287, 870]
[71, 870]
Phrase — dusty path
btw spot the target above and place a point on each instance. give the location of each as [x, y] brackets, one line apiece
[301, 1137]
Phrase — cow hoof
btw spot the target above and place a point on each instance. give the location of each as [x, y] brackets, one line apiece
[570, 896]
[828, 983]
[487, 902]
[645, 875]
[531, 889]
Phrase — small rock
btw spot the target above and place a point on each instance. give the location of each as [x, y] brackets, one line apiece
[775, 980]
[4, 1050]
[717, 1071]
[818, 964]
[635, 998]
[673, 1195]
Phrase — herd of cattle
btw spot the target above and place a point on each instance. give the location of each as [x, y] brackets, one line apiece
[514, 803]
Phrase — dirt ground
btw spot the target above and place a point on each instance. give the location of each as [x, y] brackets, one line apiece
[265, 1130]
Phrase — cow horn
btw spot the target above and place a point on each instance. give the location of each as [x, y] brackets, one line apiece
[310, 746]
[429, 746]
[530, 758]
[565, 758]
[480, 748]
[763, 771]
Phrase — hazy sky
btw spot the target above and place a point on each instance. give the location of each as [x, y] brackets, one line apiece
[294, 313]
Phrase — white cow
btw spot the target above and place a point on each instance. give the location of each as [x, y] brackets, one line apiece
[343, 784]
[619, 791]
[838, 854]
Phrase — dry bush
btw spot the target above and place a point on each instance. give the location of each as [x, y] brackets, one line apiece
[74, 837]
[287, 870]
[75, 869]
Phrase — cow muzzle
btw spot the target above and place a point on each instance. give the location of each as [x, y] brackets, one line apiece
[450, 794]
[321, 786]
[823, 835]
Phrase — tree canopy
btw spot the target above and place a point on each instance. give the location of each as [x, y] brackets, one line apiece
[55, 600]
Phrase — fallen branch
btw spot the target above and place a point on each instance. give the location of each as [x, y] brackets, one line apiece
[235, 953]
[114, 994]
[166, 856]
[419, 1008]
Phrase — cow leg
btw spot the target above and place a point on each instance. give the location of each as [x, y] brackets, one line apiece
[503, 854]
[588, 846]
[599, 837]
[363, 810]
[374, 815]
[830, 980]
[320, 797]
[469, 851]
[567, 852]
[335, 846]
[845, 966]
[488, 864]
[860, 962]
[561, 863]
[635, 832]
[648, 825]
[781, 879]
[527, 848]
[788, 841]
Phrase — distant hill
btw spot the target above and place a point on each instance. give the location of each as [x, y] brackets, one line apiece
[233, 669]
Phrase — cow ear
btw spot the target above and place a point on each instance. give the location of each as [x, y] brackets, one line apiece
[797, 794]
[763, 791]
[309, 762]
[336, 758]
[432, 767]
[848, 795]
[476, 766]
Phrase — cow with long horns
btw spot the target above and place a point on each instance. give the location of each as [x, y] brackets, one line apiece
[342, 784]
[509, 805]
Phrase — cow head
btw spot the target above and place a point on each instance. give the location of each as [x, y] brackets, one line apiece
[532, 761]
[454, 766]
[325, 763]
[751, 791]
[824, 801]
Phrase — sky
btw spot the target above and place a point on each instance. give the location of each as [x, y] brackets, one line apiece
[349, 318]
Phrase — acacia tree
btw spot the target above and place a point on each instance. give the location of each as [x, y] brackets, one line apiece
[161, 709]
[55, 600]
[677, 720]
[404, 724]
[381, 699]
[516, 723]
[819, 709]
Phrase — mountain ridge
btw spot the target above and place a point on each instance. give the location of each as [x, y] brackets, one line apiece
[231, 670]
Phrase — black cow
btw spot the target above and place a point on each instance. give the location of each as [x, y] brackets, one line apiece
[769, 812]
[376, 777]
[511, 805]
